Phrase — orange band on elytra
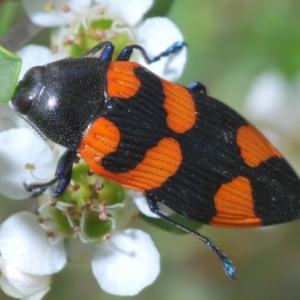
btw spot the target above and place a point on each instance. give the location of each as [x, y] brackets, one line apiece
[179, 103]
[180, 107]
[121, 80]
[255, 148]
[234, 205]
[158, 164]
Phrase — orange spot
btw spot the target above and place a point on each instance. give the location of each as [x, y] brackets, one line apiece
[102, 138]
[180, 107]
[255, 148]
[179, 104]
[121, 81]
[234, 205]
[159, 163]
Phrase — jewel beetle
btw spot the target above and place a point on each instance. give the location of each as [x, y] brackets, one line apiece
[175, 144]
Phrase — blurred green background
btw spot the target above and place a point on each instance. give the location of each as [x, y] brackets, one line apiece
[230, 42]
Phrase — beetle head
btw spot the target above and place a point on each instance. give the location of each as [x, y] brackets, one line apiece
[62, 98]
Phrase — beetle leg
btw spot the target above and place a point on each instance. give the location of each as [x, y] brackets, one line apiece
[227, 264]
[127, 51]
[106, 54]
[62, 176]
[198, 86]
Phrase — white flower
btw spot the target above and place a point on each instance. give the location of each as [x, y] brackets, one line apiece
[36, 256]
[122, 265]
[35, 250]
[21, 147]
[58, 13]
[78, 227]
[126, 264]
[83, 24]
[274, 105]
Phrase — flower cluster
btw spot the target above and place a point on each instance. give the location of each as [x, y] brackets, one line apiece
[91, 222]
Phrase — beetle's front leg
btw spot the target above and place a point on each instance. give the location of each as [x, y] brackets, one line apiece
[62, 176]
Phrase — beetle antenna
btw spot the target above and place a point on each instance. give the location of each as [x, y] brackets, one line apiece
[127, 51]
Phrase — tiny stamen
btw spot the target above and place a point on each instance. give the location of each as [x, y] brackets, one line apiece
[74, 187]
[68, 41]
[97, 186]
[106, 237]
[54, 49]
[49, 6]
[70, 212]
[29, 166]
[65, 8]
[103, 213]
[53, 202]
[76, 229]
[40, 220]
[93, 196]
[101, 11]
[73, 203]
[90, 172]
[87, 206]
[50, 234]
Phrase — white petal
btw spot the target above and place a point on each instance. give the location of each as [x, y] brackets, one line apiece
[127, 263]
[39, 295]
[131, 11]
[140, 201]
[156, 35]
[19, 147]
[33, 55]
[5, 285]
[8, 118]
[38, 14]
[8, 289]
[25, 247]
[273, 104]
[14, 282]
[267, 96]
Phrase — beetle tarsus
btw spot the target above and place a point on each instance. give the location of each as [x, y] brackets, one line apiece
[228, 265]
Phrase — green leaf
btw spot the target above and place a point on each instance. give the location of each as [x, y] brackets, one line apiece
[159, 8]
[10, 67]
[171, 228]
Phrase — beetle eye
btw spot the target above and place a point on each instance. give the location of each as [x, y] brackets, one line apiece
[22, 103]
[28, 89]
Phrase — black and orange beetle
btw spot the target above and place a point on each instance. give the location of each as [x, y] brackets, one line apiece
[175, 144]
